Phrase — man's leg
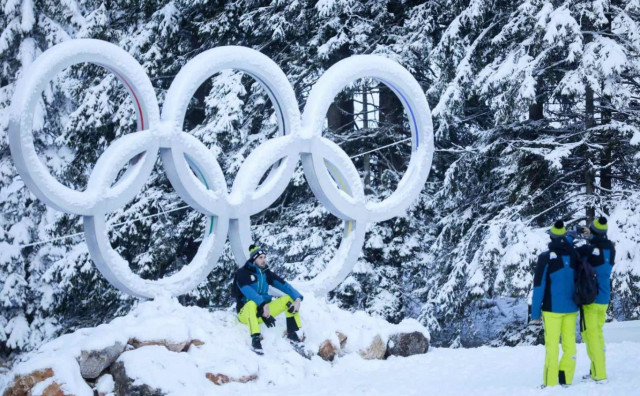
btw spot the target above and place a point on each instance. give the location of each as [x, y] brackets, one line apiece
[552, 328]
[585, 337]
[595, 316]
[247, 315]
[568, 362]
[279, 305]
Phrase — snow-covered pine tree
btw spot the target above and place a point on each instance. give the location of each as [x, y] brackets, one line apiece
[28, 287]
[527, 166]
[609, 70]
[525, 97]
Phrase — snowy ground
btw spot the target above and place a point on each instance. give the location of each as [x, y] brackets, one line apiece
[480, 371]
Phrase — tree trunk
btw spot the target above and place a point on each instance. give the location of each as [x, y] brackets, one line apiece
[365, 124]
[607, 136]
[589, 122]
[340, 114]
[536, 110]
[391, 118]
[390, 108]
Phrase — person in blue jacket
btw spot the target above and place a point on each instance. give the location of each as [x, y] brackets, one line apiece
[600, 253]
[552, 302]
[254, 304]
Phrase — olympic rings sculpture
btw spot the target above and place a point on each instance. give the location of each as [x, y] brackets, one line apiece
[196, 175]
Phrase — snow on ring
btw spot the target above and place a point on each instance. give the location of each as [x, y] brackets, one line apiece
[196, 175]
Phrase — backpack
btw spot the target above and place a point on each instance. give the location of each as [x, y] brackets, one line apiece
[586, 282]
[236, 294]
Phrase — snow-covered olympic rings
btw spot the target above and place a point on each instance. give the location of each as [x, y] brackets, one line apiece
[193, 170]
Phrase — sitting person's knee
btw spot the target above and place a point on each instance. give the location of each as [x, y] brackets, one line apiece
[251, 306]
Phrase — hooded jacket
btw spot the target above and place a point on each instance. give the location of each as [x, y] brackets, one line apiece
[252, 283]
[601, 254]
[553, 281]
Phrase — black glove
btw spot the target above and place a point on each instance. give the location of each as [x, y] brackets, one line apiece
[290, 308]
[270, 321]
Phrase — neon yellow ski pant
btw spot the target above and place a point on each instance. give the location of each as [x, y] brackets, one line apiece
[594, 318]
[558, 325]
[248, 313]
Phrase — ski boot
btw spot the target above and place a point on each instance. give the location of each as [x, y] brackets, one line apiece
[256, 346]
[295, 340]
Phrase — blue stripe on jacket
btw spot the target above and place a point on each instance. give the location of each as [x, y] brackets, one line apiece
[563, 288]
[603, 273]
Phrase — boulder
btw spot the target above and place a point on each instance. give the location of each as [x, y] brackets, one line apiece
[196, 342]
[124, 385]
[407, 344]
[22, 384]
[218, 379]
[54, 390]
[375, 350]
[221, 379]
[342, 338]
[327, 351]
[92, 363]
[173, 346]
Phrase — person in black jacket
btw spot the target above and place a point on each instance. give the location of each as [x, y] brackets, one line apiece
[255, 305]
[552, 302]
[600, 253]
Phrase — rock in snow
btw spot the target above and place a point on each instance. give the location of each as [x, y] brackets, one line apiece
[376, 350]
[22, 384]
[407, 344]
[92, 363]
[172, 346]
[327, 351]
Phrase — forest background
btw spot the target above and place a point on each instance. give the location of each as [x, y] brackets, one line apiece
[536, 107]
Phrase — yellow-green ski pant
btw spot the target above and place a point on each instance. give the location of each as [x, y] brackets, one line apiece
[594, 318]
[557, 325]
[248, 313]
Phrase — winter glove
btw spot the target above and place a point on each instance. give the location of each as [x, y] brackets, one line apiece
[270, 321]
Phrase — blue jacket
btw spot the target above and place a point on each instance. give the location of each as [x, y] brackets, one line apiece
[553, 282]
[252, 283]
[601, 254]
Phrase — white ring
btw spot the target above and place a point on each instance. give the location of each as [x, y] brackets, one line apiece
[23, 106]
[416, 108]
[196, 175]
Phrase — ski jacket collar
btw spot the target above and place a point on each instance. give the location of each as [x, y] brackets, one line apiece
[597, 238]
[249, 265]
[561, 246]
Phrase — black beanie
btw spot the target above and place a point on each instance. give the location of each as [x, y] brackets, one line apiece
[557, 230]
[599, 225]
[255, 251]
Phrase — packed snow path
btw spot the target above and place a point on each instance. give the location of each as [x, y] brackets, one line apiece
[443, 371]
